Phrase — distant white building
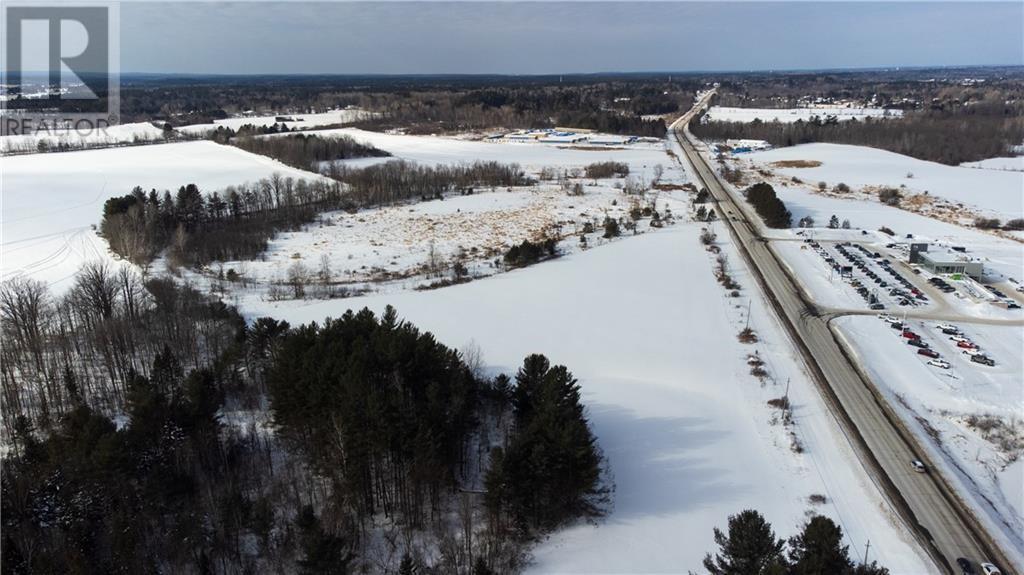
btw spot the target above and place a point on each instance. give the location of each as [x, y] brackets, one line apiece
[748, 145]
[610, 140]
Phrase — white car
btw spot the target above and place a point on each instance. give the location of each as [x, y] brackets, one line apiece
[939, 363]
[918, 466]
[990, 569]
[959, 338]
[942, 326]
[888, 318]
[974, 351]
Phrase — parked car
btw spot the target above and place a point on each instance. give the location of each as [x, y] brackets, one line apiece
[983, 359]
[910, 335]
[927, 352]
[938, 363]
[972, 352]
[920, 468]
[945, 326]
[966, 345]
[917, 343]
[877, 306]
[896, 325]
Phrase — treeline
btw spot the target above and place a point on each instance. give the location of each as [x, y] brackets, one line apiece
[235, 223]
[238, 222]
[947, 137]
[398, 180]
[750, 547]
[176, 465]
[768, 205]
[307, 151]
[613, 123]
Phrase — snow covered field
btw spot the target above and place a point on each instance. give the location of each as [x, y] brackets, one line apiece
[1000, 193]
[121, 133]
[433, 150]
[1014, 163]
[652, 338]
[988, 472]
[789, 115]
[297, 122]
[401, 242]
[50, 201]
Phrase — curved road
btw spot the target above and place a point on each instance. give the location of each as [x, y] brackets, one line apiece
[943, 523]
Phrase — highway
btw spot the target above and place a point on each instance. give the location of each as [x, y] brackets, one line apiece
[943, 523]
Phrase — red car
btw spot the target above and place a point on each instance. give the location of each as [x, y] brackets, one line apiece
[966, 344]
[928, 352]
[910, 335]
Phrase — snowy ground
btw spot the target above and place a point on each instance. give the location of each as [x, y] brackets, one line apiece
[788, 115]
[652, 338]
[995, 192]
[432, 150]
[394, 244]
[51, 201]
[298, 121]
[122, 133]
[988, 472]
[1014, 163]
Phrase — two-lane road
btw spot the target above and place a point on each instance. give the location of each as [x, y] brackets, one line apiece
[943, 523]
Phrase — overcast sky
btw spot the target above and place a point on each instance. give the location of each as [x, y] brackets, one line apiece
[538, 38]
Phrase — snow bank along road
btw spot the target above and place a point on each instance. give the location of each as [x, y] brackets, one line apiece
[942, 522]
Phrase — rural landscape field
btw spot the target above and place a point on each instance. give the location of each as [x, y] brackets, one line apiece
[496, 288]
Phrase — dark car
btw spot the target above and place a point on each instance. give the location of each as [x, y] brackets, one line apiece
[917, 343]
[965, 566]
[927, 352]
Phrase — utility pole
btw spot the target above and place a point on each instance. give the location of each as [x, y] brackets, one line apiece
[867, 547]
[748, 312]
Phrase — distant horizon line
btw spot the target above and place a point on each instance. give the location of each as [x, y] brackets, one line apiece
[892, 68]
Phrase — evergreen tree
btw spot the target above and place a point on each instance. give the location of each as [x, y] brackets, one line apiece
[750, 548]
[833, 222]
[323, 553]
[819, 549]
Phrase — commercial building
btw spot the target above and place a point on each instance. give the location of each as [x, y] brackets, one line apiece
[945, 261]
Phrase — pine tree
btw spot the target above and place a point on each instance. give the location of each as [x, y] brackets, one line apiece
[323, 554]
[833, 222]
[750, 548]
[819, 549]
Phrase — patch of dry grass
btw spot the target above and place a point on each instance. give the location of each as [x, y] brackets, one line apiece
[796, 164]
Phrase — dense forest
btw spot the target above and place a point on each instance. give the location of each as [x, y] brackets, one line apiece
[152, 430]
[424, 104]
